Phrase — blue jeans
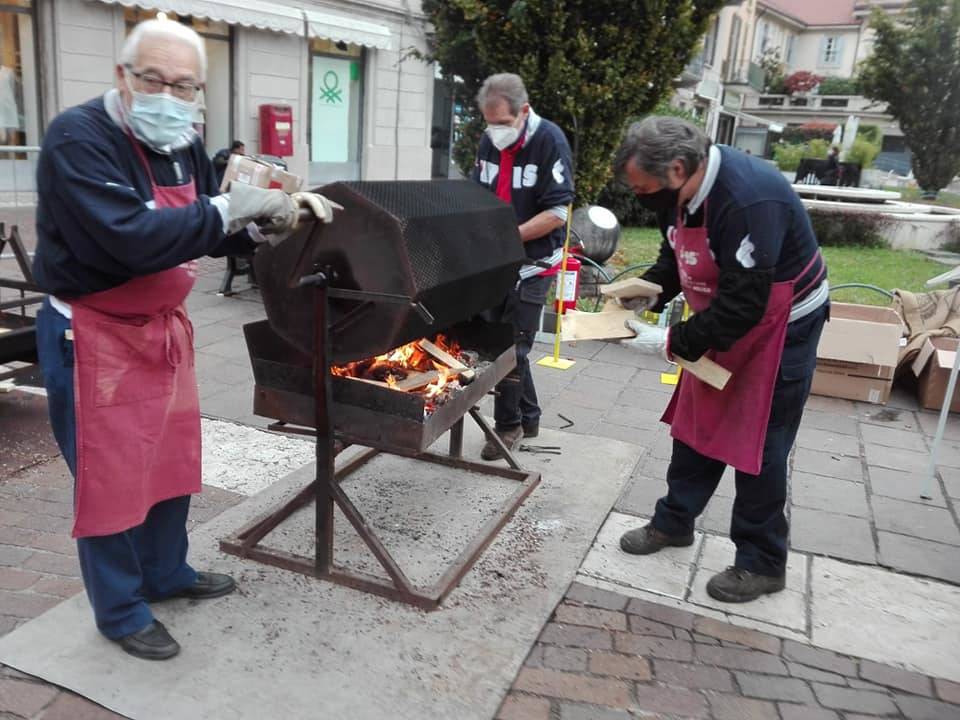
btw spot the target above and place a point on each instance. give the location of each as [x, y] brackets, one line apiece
[758, 525]
[124, 571]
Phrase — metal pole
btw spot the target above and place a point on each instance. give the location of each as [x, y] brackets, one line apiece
[931, 480]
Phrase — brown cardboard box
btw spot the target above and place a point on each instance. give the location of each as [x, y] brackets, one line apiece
[858, 351]
[932, 368]
[250, 171]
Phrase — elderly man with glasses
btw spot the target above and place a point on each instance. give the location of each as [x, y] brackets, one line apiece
[127, 201]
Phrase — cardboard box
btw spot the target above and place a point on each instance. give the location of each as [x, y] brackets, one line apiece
[932, 368]
[250, 171]
[857, 355]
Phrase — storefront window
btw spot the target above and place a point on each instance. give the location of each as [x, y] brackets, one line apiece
[336, 98]
[214, 117]
[19, 111]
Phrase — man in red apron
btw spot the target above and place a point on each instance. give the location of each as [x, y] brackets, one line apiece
[127, 201]
[738, 244]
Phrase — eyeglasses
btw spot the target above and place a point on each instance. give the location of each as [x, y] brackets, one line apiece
[153, 84]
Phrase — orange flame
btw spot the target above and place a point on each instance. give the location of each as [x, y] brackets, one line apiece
[393, 366]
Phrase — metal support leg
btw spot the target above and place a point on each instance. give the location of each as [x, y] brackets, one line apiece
[456, 439]
[325, 454]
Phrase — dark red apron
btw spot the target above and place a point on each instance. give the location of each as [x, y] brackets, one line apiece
[729, 425]
[136, 401]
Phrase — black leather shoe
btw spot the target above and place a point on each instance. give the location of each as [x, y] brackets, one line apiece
[209, 585]
[531, 430]
[151, 643]
[647, 540]
[736, 585]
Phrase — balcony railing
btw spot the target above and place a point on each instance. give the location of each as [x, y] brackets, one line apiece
[843, 104]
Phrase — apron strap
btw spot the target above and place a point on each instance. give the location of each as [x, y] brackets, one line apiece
[816, 279]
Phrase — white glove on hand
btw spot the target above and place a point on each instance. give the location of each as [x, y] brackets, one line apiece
[248, 204]
[320, 206]
[650, 339]
[639, 304]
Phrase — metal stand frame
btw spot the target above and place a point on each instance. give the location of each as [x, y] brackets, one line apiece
[328, 492]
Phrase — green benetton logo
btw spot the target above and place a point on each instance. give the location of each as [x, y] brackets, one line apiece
[331, 92]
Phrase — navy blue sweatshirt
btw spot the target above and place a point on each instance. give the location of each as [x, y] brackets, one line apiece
[542, 177]
[95, 230]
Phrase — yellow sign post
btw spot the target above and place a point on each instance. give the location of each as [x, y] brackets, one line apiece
[555, 361]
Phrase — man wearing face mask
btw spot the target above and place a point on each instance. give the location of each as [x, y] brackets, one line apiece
[738, 243]
[127, 201]
[526, 161]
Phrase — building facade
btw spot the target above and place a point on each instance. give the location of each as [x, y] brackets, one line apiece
[361, 105]
[726, 82]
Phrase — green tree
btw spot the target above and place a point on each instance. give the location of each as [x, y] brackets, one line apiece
[589, 65]
[915, 69]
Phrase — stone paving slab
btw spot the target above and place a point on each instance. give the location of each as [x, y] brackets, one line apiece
[862, 610]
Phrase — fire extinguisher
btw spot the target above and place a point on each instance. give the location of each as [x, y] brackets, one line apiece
[571, 284]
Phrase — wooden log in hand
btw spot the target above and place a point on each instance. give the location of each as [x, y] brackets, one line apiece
[705, 369]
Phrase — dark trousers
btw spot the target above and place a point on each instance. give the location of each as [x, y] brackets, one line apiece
[124, 571]
[758, 526]
[516, 401]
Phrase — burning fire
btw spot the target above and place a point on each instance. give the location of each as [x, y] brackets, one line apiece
[406, 363]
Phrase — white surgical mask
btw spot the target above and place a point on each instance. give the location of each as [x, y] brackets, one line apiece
[502, 136]
[159, 119]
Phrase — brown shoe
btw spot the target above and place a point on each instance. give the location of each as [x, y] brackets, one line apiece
[647, 540]
[510, 438]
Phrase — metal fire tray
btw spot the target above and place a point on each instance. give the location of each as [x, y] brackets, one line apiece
[365, 414]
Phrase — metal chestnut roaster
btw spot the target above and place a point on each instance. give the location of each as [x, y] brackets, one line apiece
[402, 262]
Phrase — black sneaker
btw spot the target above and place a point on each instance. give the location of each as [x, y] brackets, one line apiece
[209, 585]
[151, 643]
[531, 430]
[736, 585]
[510, 438]
[647, 540]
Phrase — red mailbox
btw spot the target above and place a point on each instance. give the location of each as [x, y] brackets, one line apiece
[276, 130]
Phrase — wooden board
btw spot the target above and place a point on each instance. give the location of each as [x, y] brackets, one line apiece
[713, 374]
[631, 288]
[447, 359]
[415, 381]
[607, 325]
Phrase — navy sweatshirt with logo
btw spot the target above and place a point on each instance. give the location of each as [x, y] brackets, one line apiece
[542, 177]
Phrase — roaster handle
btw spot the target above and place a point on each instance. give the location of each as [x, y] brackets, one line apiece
[366, 296]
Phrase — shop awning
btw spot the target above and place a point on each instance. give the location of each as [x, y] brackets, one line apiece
[347, 29]
[249, 13]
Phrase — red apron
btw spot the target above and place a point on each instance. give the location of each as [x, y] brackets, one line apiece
[136, 402]
[729, 425]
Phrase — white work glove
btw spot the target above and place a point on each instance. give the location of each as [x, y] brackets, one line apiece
[650, 339]
[321, 207]
[639, 304]
[247, 204]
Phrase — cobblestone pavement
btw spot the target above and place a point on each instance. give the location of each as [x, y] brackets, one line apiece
[605, 656]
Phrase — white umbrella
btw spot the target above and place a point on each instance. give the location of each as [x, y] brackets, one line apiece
[837, 135]
[850, 132]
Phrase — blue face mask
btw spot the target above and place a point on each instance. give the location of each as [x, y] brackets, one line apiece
[160, 119]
